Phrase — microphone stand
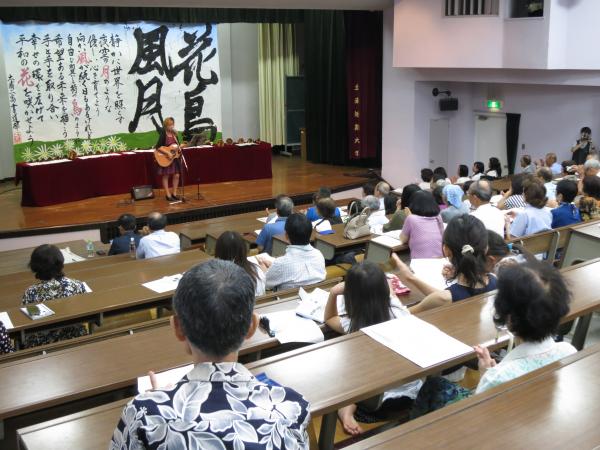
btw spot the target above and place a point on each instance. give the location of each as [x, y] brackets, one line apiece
[181, 183]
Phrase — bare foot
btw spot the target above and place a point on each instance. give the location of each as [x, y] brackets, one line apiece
[346, 416]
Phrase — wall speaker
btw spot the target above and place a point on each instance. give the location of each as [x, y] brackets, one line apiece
[142, 192]
[449, 104]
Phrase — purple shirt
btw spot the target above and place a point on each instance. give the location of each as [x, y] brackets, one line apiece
[424, 235]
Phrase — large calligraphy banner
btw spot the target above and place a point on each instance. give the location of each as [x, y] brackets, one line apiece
[98, 88]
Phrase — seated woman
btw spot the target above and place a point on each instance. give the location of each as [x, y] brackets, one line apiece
[439, 197]
[389, 203]
[327, 210]
[513, 198]
[566, 213]
[5, 344]
[367, 300]
[423, 228]
[465, 245]
[589, 204]
[231, 246]
[494, 168]
[47, 263]
[313, 213]
[534, 218]
[463, 174]
[452, 195]
[532, 298]
[397, 220]
[499, 253]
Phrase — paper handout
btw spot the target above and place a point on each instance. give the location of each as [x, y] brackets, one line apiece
[429, 270]
[164, 284]
[164, 379]
[5, 319]
[289, 327]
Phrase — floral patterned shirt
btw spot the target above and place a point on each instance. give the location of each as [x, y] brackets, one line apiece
[5, 344]
[52, 289]
[216, 406]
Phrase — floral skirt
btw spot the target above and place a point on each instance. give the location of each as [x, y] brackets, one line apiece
[174, 168]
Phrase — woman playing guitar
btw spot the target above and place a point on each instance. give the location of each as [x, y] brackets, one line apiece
[168, 143]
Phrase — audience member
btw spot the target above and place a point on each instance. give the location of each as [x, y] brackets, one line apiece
[390, 201]
[545, 175]
[513, 198]
[494, 168]
[566, 213]
[463, 174]
[381, 190]
[127, 227]
[327, 210]
[438, 180]
[423, 227]
[264, 241]
[312, 213]
[478, 170]
[452, 195]
[397, 220]
[159, 242]
[534, 218]
[526, 165]
[589, 204]
[377, 216]
[480, 194]
[551, 162]
[5, 343]
[426, 176]
[231, 246]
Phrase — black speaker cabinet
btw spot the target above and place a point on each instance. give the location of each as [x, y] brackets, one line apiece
[142, 192]
[449, 104]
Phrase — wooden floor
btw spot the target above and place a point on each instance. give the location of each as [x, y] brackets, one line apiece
[290, 175]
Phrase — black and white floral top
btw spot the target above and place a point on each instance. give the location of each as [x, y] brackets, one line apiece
[52, 289]
[216, 406]
[5, 344]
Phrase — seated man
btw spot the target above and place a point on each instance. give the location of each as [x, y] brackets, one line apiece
[302, 264]
[381, 190]
[264, 241]
[312, 213]
[159, 242]
[120, 244]
[480, 194]
[219, 403]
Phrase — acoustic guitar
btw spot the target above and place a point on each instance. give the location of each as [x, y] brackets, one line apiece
[165, 155]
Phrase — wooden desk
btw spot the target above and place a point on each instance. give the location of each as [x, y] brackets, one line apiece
[553, 407]
[584, 243]
[112, 276]
[379, 253]
[329, 244]
[352, 359]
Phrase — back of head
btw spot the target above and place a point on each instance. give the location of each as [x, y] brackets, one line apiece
[482, 189]
[284, 206]
[47, 262]
[369, 188]
[479, 166]
[495, 165]
[516, 183]
[568, 190]
[407, 193]
[389, 202]
[440, 171]
[423, 204]
[382, 189]
[591, 186]
[326, 207]
[466, 186]
[371, 202]
[525, 160]
[298, 229]
[437, 194]
[127, 222]
[231, 247]
[426, 174]
[366, 295]
[531, 300]
[157, 221]
[535, 193]
[438, 179]
[467, 239]
[545, 174]
[323, 192]
[591, 164]
[214, 302]
[463, 171]
[453, 195]
[496, 245]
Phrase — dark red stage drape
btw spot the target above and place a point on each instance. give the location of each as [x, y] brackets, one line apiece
[364, 44]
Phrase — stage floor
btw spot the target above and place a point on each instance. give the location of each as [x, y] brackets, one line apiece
[291, 176]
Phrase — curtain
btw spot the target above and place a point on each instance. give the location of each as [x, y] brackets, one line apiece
[277, 58]
[512, 139]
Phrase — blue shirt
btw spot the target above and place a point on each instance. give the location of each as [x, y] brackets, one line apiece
[556, 168]
[530, 221]
[265, 238]
[313, 215]
[565, 214]
[120, 244]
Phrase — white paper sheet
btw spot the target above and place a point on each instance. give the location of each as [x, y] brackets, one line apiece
[5, 319]
[262, 257]
[312, 306]
[393, 234]
[70, 257]
[87, 287]
[257, 232]
[262, 219]
[430, 271]
[386, 241]
[164, 379]
[289, 327]
[323, 226]
[417, 341]
[164, 284]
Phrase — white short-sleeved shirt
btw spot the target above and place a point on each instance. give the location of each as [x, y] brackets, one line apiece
[300, 266]
[492, 218]
[158, 243]
[260, 281]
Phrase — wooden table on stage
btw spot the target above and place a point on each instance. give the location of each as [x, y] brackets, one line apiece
[360, 366]
[554, 407]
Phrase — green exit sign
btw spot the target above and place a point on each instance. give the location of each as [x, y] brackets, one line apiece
[494, 104]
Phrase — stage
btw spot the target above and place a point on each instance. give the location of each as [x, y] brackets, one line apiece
[292, 176]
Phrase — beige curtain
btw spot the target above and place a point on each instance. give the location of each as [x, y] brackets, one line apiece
[277, 59]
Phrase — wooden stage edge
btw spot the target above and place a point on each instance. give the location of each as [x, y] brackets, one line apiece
[292, 176]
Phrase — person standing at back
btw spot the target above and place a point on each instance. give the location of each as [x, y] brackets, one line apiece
[158, 242]
[127, 231]
[583, 146]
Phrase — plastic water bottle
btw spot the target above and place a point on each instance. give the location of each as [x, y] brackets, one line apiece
[132, 250]
[91, 251]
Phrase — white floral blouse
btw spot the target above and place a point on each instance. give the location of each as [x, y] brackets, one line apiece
[216, 406]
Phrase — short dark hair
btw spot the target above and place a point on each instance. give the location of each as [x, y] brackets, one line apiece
[298, 229]
[214, 302]
[426, 175]
[231, 246]
[407, 193]
[285, 206]
[516, 183]
[47, 262]
[127, 222]
[389, 202]
[587, 130]
[591, 186]
[366, 295]
[568, 190]
[437, 177]
[369, 187]
[531, 300]
[440, 171]
[479, 166]
[467, 185]
[497, 246]
[437, 194]
[545, 174]
[157, 221]
[422, 203]
[462, 231]
[323, 192]
[463, 171]
[326, 207]
[535, 193]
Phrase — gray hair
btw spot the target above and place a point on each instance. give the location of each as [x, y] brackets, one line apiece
[285, 206]
[591, 164]
[482, 189]
[383, 188]
[371, 202]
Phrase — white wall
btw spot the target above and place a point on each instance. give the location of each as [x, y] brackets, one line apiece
[7, 159]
